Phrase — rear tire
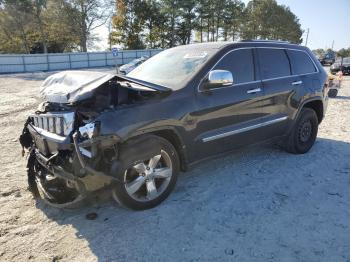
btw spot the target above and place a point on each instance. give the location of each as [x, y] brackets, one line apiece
[303, 135]
[148, 177]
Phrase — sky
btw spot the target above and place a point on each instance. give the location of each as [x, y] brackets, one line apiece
[327, 21]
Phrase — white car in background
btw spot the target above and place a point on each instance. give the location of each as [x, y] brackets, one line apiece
[127, 68]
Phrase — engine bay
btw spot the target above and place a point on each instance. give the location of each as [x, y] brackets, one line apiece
[114, 94]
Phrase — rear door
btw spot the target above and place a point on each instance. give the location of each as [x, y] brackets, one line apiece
[304, 67]
[279, 87]
[229, 117]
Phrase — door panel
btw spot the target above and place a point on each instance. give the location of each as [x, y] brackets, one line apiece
[279, 89]
[278, 102]
[224, 117]
[228, 117]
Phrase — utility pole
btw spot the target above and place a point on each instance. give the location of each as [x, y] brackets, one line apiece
[110, 34]
[307, 36]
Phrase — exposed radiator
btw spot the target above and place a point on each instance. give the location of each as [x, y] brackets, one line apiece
[57, 123]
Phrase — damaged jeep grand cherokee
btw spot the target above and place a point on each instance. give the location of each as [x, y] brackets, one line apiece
[133, 134]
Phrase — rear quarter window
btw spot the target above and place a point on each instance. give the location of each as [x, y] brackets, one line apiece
[301, 63]
[274, 63]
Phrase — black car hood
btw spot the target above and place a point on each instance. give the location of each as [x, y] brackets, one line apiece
[72, 86]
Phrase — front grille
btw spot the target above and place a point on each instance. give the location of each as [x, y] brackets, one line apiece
[57, 123]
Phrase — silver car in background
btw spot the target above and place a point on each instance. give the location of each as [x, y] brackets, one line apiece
[127, 68]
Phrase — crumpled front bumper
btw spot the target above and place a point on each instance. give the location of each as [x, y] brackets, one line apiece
[49, 145]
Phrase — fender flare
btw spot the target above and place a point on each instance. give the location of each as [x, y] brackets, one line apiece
[181, 146]
[306, 101]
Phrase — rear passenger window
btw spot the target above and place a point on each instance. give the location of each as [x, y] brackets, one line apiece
[240, 64]
[273, 63]
[301, 62]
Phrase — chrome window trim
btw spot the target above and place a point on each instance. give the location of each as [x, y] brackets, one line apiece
[313, 62]
[251, 82]
[230, 51]
[244, 129]
[256, 81]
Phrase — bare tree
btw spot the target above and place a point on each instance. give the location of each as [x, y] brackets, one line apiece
[91, 15]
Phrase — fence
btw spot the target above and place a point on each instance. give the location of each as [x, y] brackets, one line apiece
[62, 61]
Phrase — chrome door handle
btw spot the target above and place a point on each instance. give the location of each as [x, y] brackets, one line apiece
[297, 83]
[252, 91]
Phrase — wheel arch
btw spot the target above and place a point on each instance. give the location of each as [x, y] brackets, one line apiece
[316, 105]
[172, 136]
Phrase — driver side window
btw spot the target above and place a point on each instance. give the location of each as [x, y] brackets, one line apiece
[240, 63]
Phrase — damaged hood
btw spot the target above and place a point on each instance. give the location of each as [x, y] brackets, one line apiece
[72, 86]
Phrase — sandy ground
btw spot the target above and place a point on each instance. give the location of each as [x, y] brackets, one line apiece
[259, 204]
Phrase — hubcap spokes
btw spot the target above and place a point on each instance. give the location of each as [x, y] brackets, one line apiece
[145, 181]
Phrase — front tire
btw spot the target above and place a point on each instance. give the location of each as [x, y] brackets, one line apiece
[57, 194]
[148, 178]
[304, 132]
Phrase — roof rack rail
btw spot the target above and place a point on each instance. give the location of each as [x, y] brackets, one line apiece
[265, 41]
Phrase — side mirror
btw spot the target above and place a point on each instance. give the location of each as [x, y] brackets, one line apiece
[218, 78]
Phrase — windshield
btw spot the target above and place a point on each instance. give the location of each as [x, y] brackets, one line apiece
[346, 60]
[171, 68]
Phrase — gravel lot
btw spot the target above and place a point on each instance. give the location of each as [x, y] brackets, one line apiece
[259, 204]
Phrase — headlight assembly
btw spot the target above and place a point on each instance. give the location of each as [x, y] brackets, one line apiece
[90, 130]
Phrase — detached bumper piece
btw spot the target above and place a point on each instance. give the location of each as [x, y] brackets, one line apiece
[56, 186]
[64, 170]
[79, 151]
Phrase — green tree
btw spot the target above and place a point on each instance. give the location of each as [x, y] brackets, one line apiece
[344, 52]
[319, 52]
[16, 24]
[166, 23]
[205, 13]
[61, 32]
[265, 19]
[186, 22]
[128, 24]
[170, 10]
[26, 29]
[219, 19]
[37, 7]
[154, 23]
[232, 19]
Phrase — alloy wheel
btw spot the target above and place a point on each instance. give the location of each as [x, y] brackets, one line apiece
[147, 180]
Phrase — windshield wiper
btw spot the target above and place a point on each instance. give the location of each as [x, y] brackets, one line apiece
[144, 83]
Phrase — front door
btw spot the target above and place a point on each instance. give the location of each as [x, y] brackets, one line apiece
[229, 116]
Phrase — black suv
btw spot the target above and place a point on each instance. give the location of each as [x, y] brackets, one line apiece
[134, 133]
[343, 64]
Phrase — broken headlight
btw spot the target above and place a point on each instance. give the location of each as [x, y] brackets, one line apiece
[90, 130]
